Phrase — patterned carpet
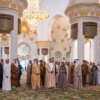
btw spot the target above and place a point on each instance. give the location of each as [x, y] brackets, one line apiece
[26, 93]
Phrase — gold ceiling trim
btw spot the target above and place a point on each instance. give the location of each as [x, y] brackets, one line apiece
[43, 43]
[84, 12]
[14, 4]
[85, 3]
[10, 9]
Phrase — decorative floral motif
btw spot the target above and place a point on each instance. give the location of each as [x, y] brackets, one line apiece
[54, 40]
[65, 49]
[31, 39]
[23, 50]
[25, 28]
[15, 4]
[51, 48]
[83, 11]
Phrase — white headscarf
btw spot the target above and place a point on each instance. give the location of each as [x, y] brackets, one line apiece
[16, 63]
[77, 62]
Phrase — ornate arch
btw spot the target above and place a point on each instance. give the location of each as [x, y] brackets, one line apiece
[24, 50]
[51, 20]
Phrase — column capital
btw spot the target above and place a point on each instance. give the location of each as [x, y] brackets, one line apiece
[43, 43]
[18, 5]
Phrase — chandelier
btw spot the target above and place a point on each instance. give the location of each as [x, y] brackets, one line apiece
[33, 14]
[37, 14]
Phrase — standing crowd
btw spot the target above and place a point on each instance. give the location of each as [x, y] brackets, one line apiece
[50, 75]
[87, 73]
[10, 76]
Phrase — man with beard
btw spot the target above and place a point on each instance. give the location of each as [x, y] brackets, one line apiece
[84, 67]
[77, 76]
[35, 80]
[72, 70]
[15, 74]
[50, 75]
[42, 73]
[29, 72]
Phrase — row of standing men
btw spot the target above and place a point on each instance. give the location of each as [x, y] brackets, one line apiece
[52, 75]
[49, 75]
[10, 75]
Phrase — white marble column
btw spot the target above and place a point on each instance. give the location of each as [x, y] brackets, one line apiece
[41, 56]
[98, 41]
[72, 51]
[48, 55]
[14, 41]
[92, 50]
[80, 44]
[96, 53]
[2, 52]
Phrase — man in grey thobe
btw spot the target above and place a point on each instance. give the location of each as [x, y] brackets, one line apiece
[94, 75]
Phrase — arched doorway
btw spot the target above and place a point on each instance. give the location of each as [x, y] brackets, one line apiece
[58, 30]
[24, 54]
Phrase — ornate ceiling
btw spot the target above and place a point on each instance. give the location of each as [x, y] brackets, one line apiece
[60, 34]
[72, 2]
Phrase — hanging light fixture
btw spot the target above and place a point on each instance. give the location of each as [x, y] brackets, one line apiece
[33, 14]
[37, 14]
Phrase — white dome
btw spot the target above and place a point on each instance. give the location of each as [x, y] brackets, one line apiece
[72, 2]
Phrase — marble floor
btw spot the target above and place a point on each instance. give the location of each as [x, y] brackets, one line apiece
[26, 93]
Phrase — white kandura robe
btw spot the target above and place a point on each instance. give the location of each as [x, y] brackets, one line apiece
[50, 77]
[6, 81]
[98, 74]
[77, 79]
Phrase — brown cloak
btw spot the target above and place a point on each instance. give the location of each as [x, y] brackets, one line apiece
[14, 76]
[42, 74]
[28, 81]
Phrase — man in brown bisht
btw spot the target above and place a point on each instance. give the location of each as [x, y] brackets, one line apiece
[15, 74]
[42, 72]
[72, 70]
[77, 76]
[35, 78]
[28, 81]
[84, 67]
[50, 75]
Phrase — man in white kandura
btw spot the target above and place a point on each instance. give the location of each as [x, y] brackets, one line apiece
[6, 76]
[50, 75]
[77, 80]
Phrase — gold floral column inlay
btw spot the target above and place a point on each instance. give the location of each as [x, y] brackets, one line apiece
[13, 4]
[87, 10]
